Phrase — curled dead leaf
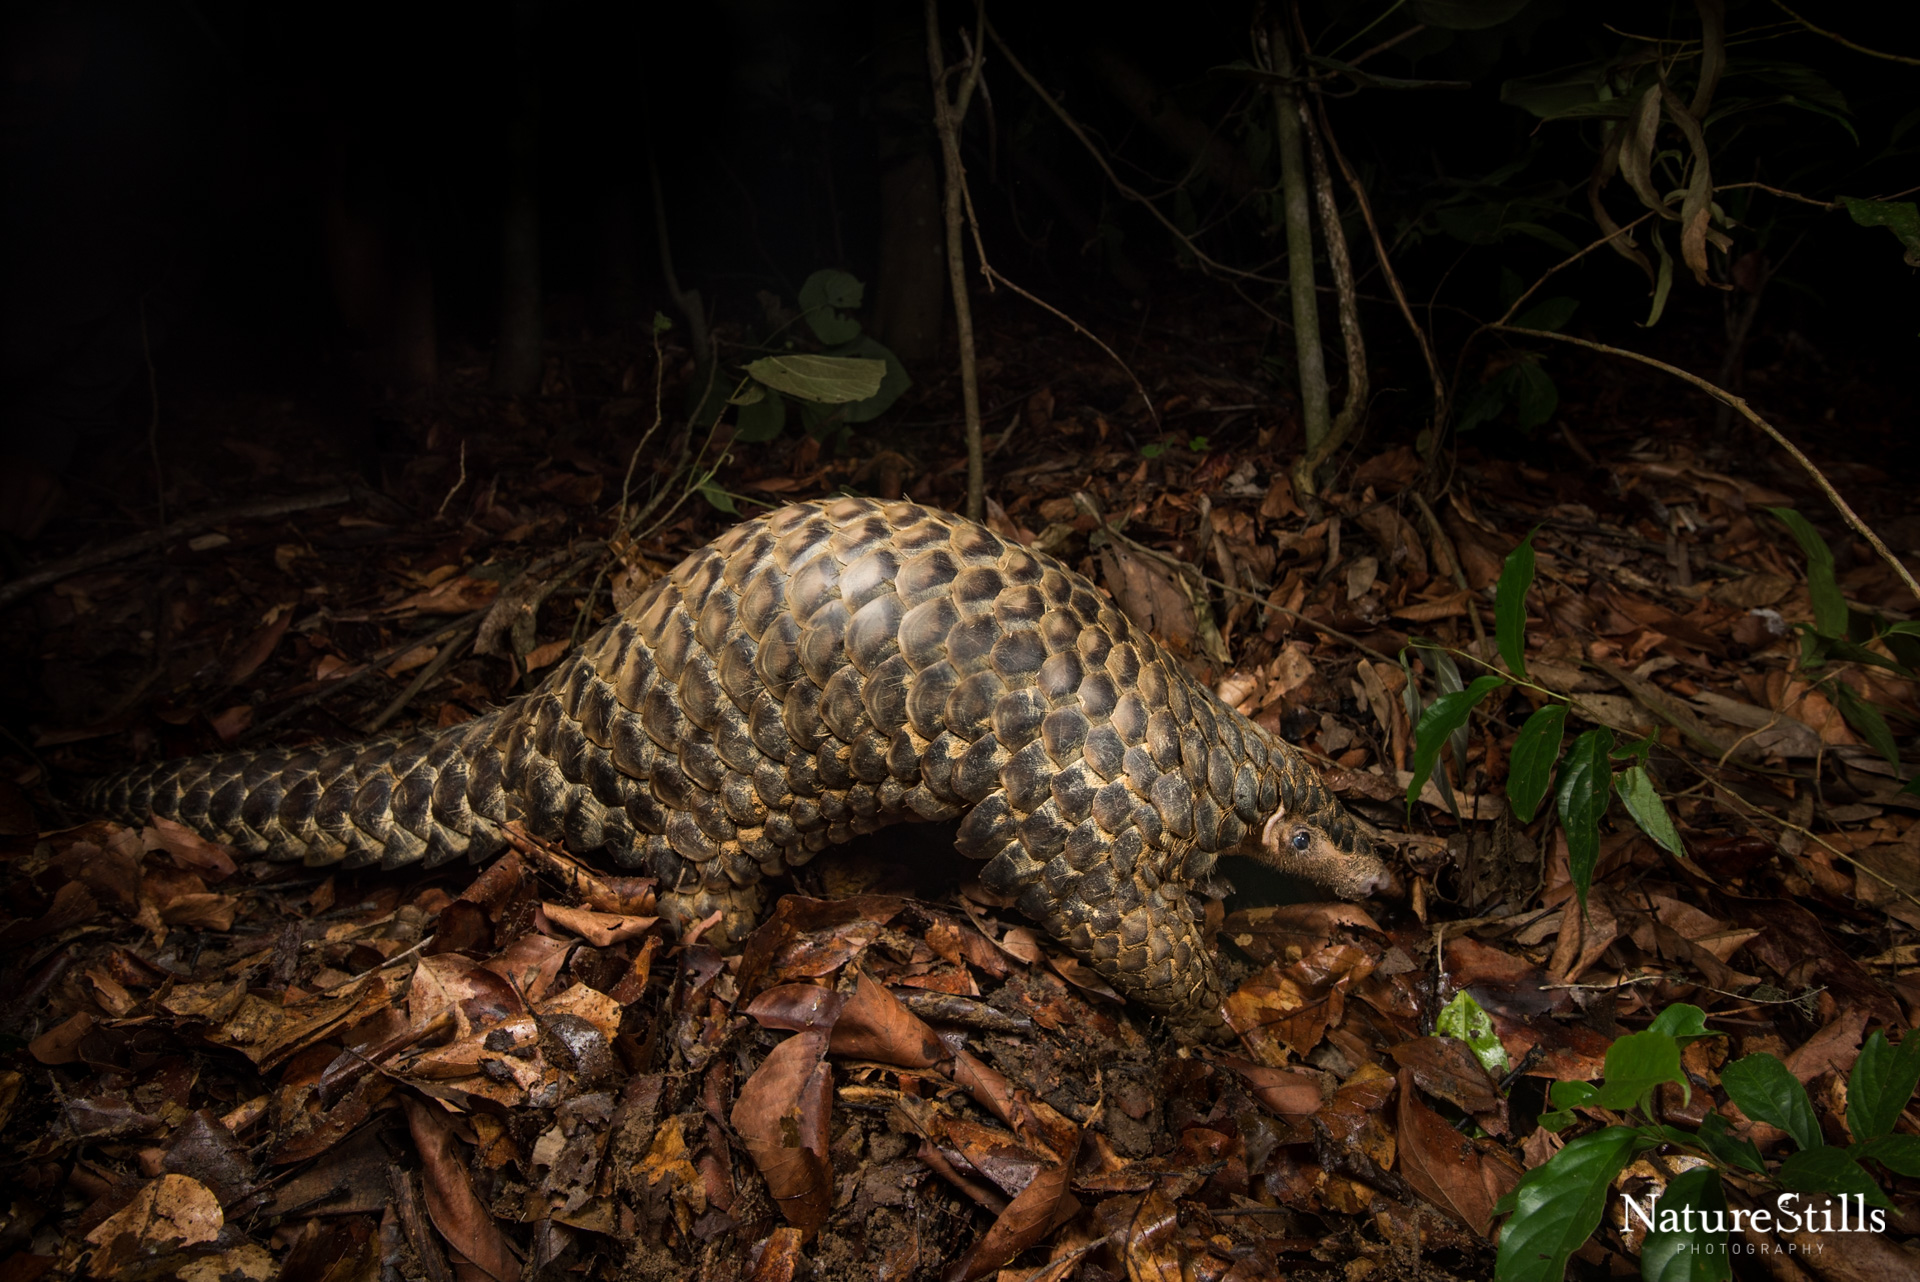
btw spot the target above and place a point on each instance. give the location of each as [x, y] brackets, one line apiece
[601, 929]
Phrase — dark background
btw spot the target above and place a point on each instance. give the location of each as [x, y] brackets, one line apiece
[308, 200]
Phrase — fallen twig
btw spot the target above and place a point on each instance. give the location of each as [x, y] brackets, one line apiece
[1746, 411]
[80, 562]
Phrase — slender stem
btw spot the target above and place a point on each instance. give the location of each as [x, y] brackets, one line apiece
[948, 115]
[1843, 41]
[1386, 269]
[1206, 261]
[1353, 405]
[688, 301]
[1740, 407]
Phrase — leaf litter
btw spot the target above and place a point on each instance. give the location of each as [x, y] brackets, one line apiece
[222, 1069]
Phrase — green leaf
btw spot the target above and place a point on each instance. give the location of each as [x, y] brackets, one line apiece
[1829, 1170]
[1552, 314]
[1565, 1098]
[762, 419]
[1153, 449]
[718, 497]
[1684, 1253]
[1662, 280]
[1582, 800]
[1440, 719]
[1635, 787]
[661, 323]
[1463, 1018]
[1510, 605]
[1556, 1207]
[1857, 653]
[1636, 1064]
[824, 380]
[1446, 679]
[1866, 718]
[1682, 1022]
[1688, 1255]
[821, 299]
[1487, 401]
[1725, 1149]
[894, 382]
[1530, 768]
[1901, 217]
[1765, 1091]
[1913, 787]
[1898, 1153]
[1883, 1080]
[1829, 607]
[1199, 444]
[1535, 395]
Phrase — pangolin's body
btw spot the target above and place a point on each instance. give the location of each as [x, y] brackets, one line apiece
[822, 671]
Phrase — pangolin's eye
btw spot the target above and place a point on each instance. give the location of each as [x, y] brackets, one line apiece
[1302, 839]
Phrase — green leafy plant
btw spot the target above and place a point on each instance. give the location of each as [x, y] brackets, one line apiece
[1557, 1206]
[1522, 384]
[851, 378]
[1592, 771]
[1841, 635]
[1197, 444]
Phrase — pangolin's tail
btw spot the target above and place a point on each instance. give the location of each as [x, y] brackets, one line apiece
[430, 797]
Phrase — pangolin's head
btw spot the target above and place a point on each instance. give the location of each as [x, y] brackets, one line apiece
[1324, 843]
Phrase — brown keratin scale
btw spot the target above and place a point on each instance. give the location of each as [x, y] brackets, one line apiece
[827, 670]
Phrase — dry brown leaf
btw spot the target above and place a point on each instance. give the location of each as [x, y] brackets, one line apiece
[1446, 1068]
[188, 848]
[166, 1214]
[453, 596]
[874, 1025]
[601, 929]
[782, 1114]
[531, 963]
[1583, 937]
[1043, 1205]
[1148, 593]
[260, 645]
[589, 1004]
[61, 1043]
[780, 1257]
[1288, 1092]
[462, 1219]
[1446, 1167]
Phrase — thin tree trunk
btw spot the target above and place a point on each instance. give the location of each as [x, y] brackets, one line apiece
[517, 358]
[1299, 222]
[947, 117]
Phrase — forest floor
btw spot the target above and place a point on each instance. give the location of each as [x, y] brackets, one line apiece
[214, 1069]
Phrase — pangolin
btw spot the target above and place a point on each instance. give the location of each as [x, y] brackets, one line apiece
[826, 670]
